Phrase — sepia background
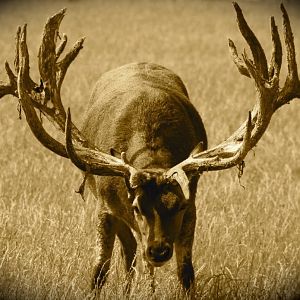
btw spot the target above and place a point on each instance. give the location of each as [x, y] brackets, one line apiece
[247, 241]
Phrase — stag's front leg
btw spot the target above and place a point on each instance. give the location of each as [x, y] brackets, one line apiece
[129, 246]
[183, 249]
[105, 237]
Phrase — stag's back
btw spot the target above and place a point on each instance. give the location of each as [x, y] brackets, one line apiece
[144, 110]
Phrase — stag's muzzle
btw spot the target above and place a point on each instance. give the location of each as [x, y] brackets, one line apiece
[159, 252]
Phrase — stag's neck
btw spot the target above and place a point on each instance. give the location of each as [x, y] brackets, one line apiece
[148, 153]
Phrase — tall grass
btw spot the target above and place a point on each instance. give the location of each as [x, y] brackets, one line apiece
[247, 243]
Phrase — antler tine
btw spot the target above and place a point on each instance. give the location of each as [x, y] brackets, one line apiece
[47, 60]
[11, 76]
[61, 47]
[276, 59]
[29, 84]
[17, 57]
[237, 60]
[290, 47]
[291, 87]
[67, 60]
[23, 52]
[11, 87]
[258, 53]
[31, 116]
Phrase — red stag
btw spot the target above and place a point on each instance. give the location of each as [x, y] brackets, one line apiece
[142, 145]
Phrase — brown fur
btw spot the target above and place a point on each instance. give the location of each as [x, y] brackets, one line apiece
[144, 110]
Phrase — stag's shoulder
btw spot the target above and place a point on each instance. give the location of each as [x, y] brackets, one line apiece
[135, 78]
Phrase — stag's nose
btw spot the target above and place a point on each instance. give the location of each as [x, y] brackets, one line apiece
[159, 252]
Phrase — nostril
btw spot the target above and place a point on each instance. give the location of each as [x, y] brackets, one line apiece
[154, 251]
[150, 251]
[159, 252]
[163, 252]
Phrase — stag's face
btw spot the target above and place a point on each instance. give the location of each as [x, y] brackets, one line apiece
[158, 207]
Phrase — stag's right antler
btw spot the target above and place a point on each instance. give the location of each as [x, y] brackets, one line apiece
[46, 98]
[270, 97]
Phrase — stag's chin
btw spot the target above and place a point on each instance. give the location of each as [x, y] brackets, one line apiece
[157, 264]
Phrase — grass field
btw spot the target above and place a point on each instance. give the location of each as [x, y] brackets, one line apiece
[247, 243]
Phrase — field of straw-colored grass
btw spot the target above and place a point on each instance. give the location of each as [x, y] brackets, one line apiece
[247, 242]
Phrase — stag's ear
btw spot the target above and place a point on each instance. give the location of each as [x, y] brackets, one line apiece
[182, 179]
[198, 149]
[138, 179]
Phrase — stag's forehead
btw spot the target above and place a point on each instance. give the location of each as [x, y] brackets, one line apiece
[159, 192]
[162, 203]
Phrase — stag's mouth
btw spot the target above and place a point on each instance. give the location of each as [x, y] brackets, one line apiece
[156, 264]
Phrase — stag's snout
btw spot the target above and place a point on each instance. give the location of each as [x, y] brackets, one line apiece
[159, 252]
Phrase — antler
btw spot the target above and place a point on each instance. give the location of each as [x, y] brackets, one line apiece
[270, 97]
[47, 99]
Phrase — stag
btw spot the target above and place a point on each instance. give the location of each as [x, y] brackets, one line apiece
[142, 145]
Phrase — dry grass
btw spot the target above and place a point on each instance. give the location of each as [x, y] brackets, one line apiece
[247, 240]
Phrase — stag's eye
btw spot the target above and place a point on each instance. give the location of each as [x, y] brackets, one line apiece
[183, 206]
[174, 183]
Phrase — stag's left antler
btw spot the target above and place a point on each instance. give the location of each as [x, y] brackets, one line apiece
[47, 99]
[46, 96]
[270, 97]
